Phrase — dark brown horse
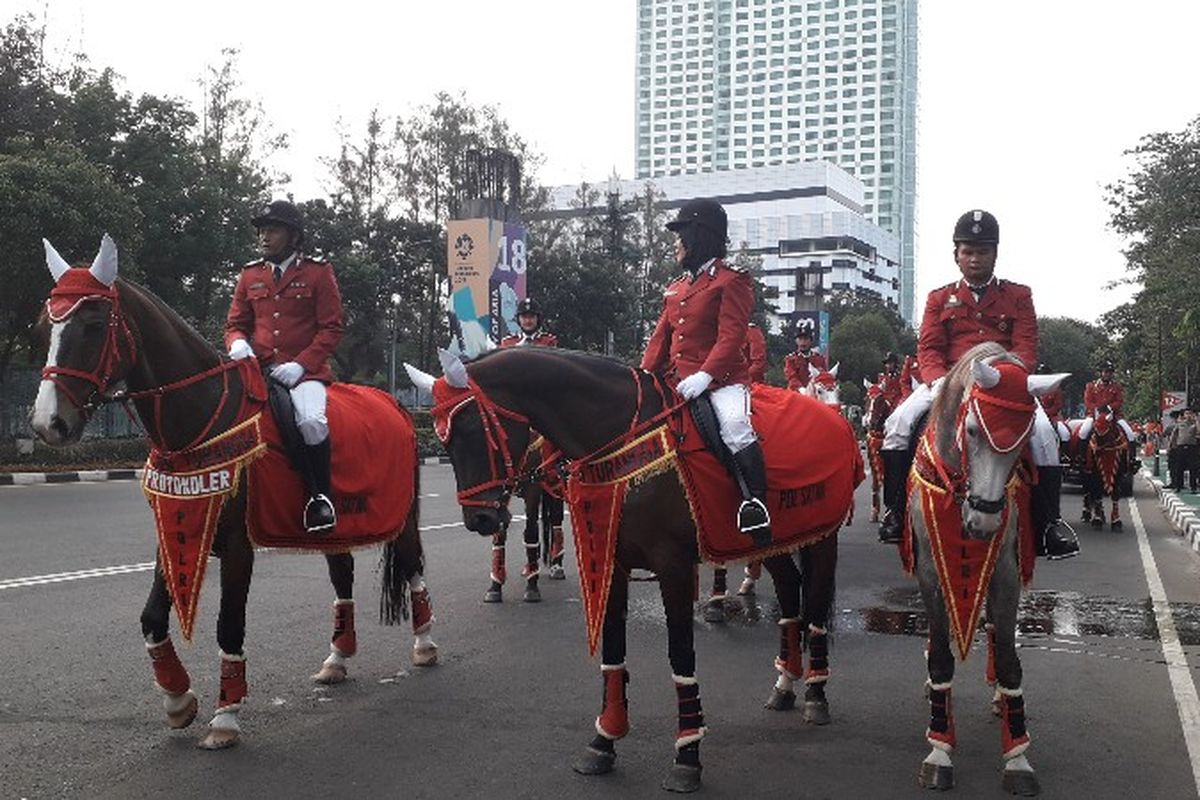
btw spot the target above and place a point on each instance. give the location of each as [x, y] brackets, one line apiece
[581, 403]
[106, 331]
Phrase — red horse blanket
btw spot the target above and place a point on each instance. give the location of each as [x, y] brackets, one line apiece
[813, 467]
[374, 461]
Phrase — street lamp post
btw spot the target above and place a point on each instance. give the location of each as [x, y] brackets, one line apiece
[395, 310]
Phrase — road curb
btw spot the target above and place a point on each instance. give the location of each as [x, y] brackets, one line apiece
[95, 475]
[1183, 517]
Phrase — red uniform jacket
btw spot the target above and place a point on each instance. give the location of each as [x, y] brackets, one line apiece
[299, 320]
[954, 323]
[539, 338]
[755, 353]
[891, 388]
[798, 368]
[703, 327]
[908, 373]
[1098, 393]
[1052, 403]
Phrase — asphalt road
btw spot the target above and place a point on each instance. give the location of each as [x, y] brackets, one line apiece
[513, 699]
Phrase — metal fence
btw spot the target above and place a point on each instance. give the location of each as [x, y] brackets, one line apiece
[17, 393]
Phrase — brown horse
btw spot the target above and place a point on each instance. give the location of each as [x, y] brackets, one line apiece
[878, 409]
[582, 403]
[1107, 468]
[104, 331]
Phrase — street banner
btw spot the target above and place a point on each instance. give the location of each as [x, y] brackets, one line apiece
[1171, 401]
[486, 261]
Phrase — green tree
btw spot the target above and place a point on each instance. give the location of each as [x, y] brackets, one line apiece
[859, 343]
[1074, 346]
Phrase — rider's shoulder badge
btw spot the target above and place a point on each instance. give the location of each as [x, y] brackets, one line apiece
[953, 300]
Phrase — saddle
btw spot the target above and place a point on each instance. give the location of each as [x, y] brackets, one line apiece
[284, 410]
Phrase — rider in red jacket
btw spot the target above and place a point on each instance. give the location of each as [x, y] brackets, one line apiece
[800, 366]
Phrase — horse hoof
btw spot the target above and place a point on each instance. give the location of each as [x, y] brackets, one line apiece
[781, 700]
[816, 712]
[330, 674]
[935, 776]
[683, 778]
[1116, 526]
[594, 762]
[493, 596]
[1097, 524]
[714, 611]
[874, 517]
[178, 720]
[425, 656]
[533, 595]
[1021, 782]
[218, 739]
[557, 573]
[746, 588]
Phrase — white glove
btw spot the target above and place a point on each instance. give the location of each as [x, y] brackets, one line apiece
[240, 349]
[288, 374]
[693, 385]
[936, 386]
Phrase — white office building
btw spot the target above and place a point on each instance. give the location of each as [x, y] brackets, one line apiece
[736, 84]
[812, 235]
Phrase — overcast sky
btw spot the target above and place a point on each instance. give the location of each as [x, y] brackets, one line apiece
[1025, 108]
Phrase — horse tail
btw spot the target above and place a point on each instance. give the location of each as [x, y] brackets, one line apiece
[401, 559]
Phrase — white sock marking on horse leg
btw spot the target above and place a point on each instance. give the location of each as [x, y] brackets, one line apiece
[939, 757]
[1177, 666]
[334, 659]
[225, 721]
[424, 641]
[46, 404]
[783, 683]
[416, 583]
[1018, 764]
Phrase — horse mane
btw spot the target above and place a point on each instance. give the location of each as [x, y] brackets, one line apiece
[957, 382]
[168, 315]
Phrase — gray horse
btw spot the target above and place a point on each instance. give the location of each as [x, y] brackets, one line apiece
[962, 487]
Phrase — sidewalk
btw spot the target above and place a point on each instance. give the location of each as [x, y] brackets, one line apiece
[1181, 508]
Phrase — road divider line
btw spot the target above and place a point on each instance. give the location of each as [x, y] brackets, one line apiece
[1182, 685]
[146, 566]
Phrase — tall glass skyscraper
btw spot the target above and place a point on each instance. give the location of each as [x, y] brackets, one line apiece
[727, 84]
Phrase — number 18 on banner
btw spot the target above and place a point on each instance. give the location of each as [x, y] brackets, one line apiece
[508, 285]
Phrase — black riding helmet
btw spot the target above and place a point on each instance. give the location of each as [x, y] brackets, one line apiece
[281, 212]
[529, 306]
[977, 227]
[891, 358]
[702, 226]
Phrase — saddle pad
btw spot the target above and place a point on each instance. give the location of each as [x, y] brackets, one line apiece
[374, 460]
[813, 466]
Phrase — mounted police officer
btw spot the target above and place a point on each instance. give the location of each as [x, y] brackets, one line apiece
[977, 308]
[1104, 392]
[700, 340]
[800, 366]
[529, 320]
[889, 380]
[287, 310]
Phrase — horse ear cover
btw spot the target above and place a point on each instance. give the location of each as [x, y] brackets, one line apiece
[453, 369]
[420, 379]
[104, 266]
[57, 265]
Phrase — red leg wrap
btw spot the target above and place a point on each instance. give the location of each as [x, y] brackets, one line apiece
[991, 654]
[556, 544]
[422, 611]
[791, 649]
[818, 655]
[754, 570]
[1014, 738]
[233, 683]
[691, 715]
[531, 567]
[941, 719]
[169, 673]
[499, 571]
[613, 722]
[344, 639]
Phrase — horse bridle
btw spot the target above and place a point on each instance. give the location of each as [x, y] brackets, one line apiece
[955, 481]
[106, 365]
[503, 468]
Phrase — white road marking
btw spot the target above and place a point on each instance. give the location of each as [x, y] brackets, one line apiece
[1177, 667]
[124, 569]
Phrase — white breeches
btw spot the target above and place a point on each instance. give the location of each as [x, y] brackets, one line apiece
[1085, 428]
[897, 428]
[308, 398]
[732, 406]
[1044, 440]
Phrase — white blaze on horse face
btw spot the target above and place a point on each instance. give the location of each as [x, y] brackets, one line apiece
[45, 407]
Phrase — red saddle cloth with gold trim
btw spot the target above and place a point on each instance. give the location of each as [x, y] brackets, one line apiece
[813, 466]
[374, 458]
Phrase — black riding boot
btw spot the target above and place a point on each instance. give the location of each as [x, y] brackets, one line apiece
[1057, 539]
[895, 494]
[319, 515]
[753, 517]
